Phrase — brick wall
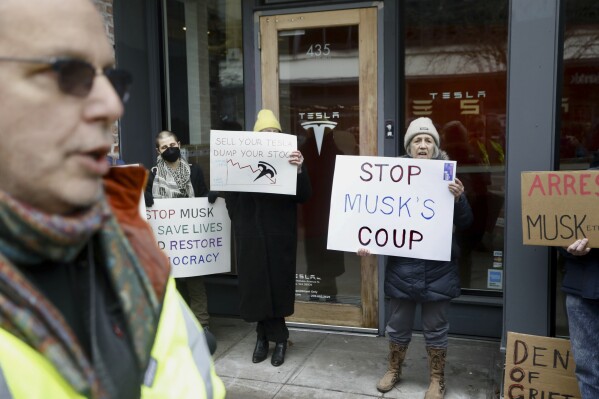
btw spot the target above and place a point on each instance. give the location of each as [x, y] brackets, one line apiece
[105, 7]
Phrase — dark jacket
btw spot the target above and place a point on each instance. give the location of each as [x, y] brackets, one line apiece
[265, 231]
[197, 181]
[582, 273]
[423, 280]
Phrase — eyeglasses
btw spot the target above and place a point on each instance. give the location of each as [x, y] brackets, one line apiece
[76, 77]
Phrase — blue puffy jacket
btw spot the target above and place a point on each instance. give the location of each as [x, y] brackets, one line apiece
[423, 280]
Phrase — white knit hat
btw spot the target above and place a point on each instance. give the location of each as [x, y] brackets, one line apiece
[418, 126]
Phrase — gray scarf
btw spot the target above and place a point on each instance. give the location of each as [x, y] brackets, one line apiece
[172, 183]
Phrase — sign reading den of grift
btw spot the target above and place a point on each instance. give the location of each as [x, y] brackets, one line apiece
[539, 368]
[560, 207]
[194, 234]
[392, 206]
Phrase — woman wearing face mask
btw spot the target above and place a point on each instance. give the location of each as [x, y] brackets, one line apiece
[430, 283]
[174, 177]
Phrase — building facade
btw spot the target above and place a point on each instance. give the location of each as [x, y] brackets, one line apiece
[510, 85]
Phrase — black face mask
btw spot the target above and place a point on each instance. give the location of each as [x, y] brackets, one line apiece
[171, 154]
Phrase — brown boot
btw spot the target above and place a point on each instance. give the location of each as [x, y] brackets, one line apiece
[436, 368]
[397, 354]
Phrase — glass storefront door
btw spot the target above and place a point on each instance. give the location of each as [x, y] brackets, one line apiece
[318, 73]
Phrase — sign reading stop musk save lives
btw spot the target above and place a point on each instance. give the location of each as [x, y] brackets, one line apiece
[252, 162]
[539, 368]
[194, 234]
[392, 206]
[560, 207]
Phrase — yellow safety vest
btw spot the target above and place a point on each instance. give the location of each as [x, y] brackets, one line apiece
[181, 366]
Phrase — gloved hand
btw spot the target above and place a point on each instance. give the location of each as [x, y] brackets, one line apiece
[212, 196]
[149, 199]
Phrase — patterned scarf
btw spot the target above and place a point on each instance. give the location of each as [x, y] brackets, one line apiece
[172, 183]
[28, 236]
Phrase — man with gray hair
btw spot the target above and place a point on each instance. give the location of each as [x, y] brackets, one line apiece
[87, 308]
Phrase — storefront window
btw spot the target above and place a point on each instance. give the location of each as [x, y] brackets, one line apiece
[579, 137]
[204, 71]
[455, 74]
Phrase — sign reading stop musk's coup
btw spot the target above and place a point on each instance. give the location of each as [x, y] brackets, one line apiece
[560, 207]
[392, 206]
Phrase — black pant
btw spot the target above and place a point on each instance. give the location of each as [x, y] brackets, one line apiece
[274, 329]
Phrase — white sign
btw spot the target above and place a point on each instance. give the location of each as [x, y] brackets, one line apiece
[392, 206]
[252, 162]
[194, 234]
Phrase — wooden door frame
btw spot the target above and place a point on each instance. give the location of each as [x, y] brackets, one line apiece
[366, 19]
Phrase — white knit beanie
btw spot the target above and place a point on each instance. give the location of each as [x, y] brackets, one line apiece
[418, 126]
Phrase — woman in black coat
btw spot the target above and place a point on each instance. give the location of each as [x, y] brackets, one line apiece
[430, 283]
[265, 231]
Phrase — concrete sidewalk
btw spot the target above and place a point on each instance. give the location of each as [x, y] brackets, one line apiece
[325, 365]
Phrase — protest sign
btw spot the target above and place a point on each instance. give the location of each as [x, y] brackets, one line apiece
[539, 367]
[392, 206]
[194, 234]
[560, 207]
[252, 162]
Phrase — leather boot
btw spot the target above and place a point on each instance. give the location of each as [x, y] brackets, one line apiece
[397, 354]
[278, 356]
[261, 350]
[436, 368]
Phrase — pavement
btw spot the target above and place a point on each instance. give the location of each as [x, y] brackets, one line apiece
[331, 365]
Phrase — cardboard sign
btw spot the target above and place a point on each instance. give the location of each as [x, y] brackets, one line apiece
[194, 234]
[560, 207]
[252, 162]
[539, 367]
[392, 206]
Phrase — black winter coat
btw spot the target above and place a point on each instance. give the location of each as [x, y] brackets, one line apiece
[423, 280]
[265, 231]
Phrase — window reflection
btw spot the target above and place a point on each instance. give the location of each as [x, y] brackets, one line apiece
[319, 97]
[455, 73]
[204, 73]
[579, 136]
[205, 67]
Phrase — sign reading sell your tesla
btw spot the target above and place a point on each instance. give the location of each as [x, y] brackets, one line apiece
[252, 162]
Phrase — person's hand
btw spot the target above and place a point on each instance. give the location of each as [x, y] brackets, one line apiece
[212, 196]
[149, 200]
[296, 158]
[363, 252]
[579, 247]
[456, 189]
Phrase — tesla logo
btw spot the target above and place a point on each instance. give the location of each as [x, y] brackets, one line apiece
[422, 107]
[318, 122]
[266, 169]
[319, 128]
[458, 95]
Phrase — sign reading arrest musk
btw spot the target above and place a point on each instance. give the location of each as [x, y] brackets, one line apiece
[252, 162]
[560, 207]
[392, 206]
[194, 234]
